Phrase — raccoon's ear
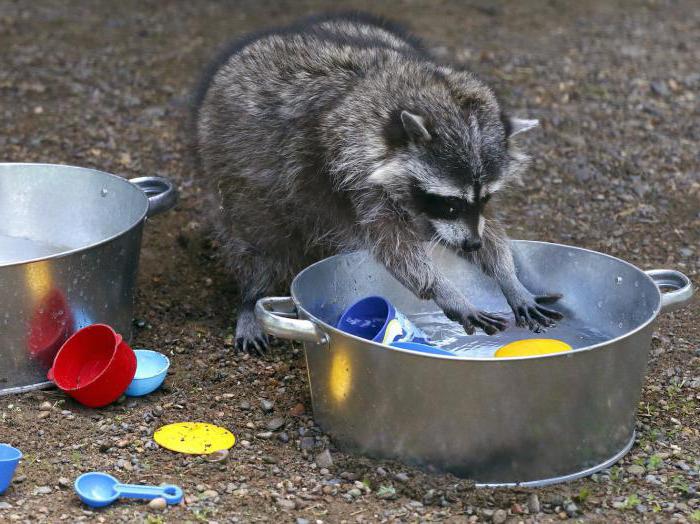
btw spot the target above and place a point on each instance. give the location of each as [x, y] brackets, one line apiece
[414, 126]
[515, 126]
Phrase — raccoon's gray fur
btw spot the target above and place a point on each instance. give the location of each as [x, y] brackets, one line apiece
[340, 133]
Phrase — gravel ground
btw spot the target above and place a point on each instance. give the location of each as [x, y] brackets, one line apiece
[616, 169]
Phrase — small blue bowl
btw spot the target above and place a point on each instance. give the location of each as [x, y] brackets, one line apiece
[423, 348]
[9, 458]
[151, 368]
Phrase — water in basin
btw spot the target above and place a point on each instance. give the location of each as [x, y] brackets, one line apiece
[19, 249]
[450, 336]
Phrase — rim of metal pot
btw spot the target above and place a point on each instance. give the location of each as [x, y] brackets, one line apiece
[567, 354]
[88, 246]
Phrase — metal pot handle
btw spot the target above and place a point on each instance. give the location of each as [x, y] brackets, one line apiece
[161, 193]
[277, 316]
[681, 288]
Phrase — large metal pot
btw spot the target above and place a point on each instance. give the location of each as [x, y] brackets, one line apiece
[69, 249]
[529, 420]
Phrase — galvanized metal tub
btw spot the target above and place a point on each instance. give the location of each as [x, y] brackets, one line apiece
[69, 248]
[526, 421]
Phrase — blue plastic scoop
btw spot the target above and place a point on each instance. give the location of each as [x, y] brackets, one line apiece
[98, 489]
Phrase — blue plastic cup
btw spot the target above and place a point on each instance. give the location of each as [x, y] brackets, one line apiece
[374, 318]
[9, 458]
[423, 348]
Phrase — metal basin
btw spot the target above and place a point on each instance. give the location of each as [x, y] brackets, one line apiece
[69, 248]
[529, 420]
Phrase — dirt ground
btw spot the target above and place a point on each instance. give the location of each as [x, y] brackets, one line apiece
[616, 169]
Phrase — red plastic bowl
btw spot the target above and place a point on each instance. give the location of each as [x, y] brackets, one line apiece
[94, 366]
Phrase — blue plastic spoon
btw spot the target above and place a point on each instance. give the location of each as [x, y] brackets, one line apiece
[98, 489]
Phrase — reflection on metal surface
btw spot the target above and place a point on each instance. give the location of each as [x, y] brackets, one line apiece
[39, 279]
[50, 327]
[340, 377]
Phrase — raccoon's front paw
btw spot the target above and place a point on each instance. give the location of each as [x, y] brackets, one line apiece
[250, 337]
[473, 318]
[530, 313]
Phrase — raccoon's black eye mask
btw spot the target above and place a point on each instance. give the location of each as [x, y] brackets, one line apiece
[446, 208]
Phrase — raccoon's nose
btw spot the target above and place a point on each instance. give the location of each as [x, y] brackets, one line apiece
[471, 245]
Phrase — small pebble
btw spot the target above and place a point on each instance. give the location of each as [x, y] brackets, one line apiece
[307, 442]
[209, 494]
[43, 414]
[158, 504]
[276, 423]
[324, 459]
[533, 503]
[401, 477]
[217, 456]
[64, 482]
[286, 504]
[45, 406]
[265, 435]
[636, 470]
[297, 410]
[571, 509]
[267, 406]
[499, 516]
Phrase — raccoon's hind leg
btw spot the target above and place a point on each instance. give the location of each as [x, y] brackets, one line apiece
[250, 337]
[257, 276]
[496, 260]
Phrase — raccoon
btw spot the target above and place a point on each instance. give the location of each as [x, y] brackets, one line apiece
[340, 133]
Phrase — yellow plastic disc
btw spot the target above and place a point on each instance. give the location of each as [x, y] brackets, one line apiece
[532, 347]
[195, 438]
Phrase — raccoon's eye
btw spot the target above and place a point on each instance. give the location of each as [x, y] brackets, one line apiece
[442, 207]
[437, 206]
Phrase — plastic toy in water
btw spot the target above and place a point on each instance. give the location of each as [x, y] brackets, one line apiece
[532, 347]
[97, 489]
[374, 318]
[423, 348]
[151, 369]
[195, 438]
[94, 366]
[9, 458]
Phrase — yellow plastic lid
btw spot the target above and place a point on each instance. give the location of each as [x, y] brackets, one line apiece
[532, 347]
[195, 438]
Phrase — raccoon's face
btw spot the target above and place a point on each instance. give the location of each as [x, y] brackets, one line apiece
[456, 219]
[445, 173]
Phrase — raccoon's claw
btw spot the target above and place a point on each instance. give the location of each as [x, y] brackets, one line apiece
[548, 299]
[250, 338]
[255, 346]
[488, 322]
[536, 317]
